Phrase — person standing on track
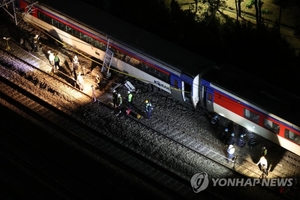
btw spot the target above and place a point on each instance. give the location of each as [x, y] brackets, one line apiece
[36, 43]
[231, 139]
[115, 98]
[119, 103]
[80, 82]
[51, 58]
[240, 141]
[230, 152]
[56, 62]
[148, 109]
[129, 100]
[264, 151]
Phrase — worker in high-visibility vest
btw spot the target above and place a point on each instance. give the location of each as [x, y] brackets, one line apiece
[129, 100]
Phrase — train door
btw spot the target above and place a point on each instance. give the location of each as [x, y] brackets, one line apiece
[187, 90]
[195, 91]
[175, 87]
[207, 98]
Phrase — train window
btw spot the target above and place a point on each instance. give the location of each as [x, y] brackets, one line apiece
[134, 62]
[41, 16]
[76, 33]
[176, 83]
[47, 19]
[112, 49]
[119, 55]
[69, 30]
[93, 41]
[163, 77]
[209, 97]
[126, 59]
[153, 71]
[86, 38]
[100, 45]
[292, 136]
[55, 23]
[271, 126]
[61, 26]
[251, 115]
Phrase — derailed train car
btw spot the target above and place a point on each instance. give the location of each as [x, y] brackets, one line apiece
[135, 51]
[189, 78]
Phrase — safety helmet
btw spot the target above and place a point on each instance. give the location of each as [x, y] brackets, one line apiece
[115, 91]
[232, 134]
[119, 95]
[128, 92]
[226, 129]
[146, 101]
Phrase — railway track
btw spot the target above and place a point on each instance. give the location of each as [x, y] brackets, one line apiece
[155, 138]
[86, 138]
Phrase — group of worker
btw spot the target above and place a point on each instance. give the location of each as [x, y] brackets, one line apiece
[262, 163]
[78, 74]
[230, 141]
[117, 98]
[118, 103]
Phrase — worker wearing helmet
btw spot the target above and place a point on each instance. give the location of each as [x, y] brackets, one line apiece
[148, 109]
[264, 151]
[240, 141]
[223, 135]
[129, 99]
[115, 98]
[231, 139]
[119, 102]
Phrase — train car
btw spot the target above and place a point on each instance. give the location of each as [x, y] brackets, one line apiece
[135, 51]
[240, 98]
[253, 104]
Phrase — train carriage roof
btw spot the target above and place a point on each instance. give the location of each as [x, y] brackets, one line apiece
[179, 58]
[257, 92]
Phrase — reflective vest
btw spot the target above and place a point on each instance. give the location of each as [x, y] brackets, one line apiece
[119, 100]
[130, 97]
[148, 107]
[56, 59]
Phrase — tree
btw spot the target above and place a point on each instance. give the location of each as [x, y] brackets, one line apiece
[281, 4]
[257, 6]
[238, 8]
